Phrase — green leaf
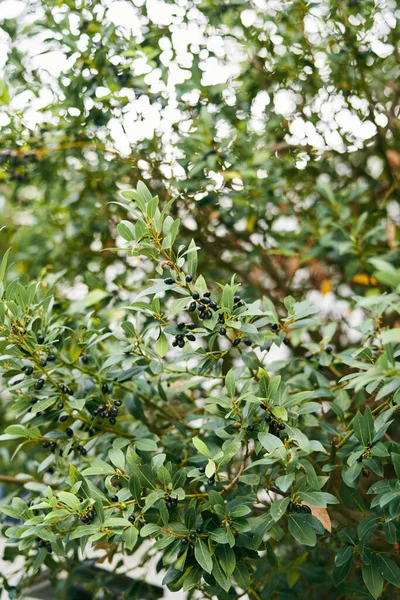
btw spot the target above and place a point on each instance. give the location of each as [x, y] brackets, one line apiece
[164, 475]
[3, 265]
[192, 259]
[278, 508]
[117, 458]
[344, 554]
[391, 336]
[162, 344]
[227, 559]
[201, 447]
[272, 444]
[241, 576]
[321, 499]
[372, 576]
[149, 530]
[69, 500]
[284, 482]
[146, 445]
[126, 230]
[176, 306]
[220, 577]
[230, 383]
[117, 522]
[389, 570]
[227, 298]
[83, 530]
[363, 426]
[99, 467]
[203, 556]
[301, 530]
[130, 537]
[340, 572]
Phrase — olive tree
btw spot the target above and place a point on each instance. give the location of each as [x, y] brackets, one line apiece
[199, 318]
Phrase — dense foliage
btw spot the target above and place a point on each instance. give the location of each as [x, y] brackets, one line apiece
[208, 376]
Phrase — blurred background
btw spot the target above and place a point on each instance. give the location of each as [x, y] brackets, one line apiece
[273, 123]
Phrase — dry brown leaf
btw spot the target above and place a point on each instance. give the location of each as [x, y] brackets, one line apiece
[393, 158]
[292, 265]
[322, 515]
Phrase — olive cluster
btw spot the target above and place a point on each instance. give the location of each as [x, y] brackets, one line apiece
[51, 445]
[44, 544]
[191, 540]
[171, 502]
[65, 389]
[88, 517]
[180, 338]
[205, 307]
[299, 508]
[108, 411]
[275, 426]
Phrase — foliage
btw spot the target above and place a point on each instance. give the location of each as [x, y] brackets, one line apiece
[227, 456]
[208, 376]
